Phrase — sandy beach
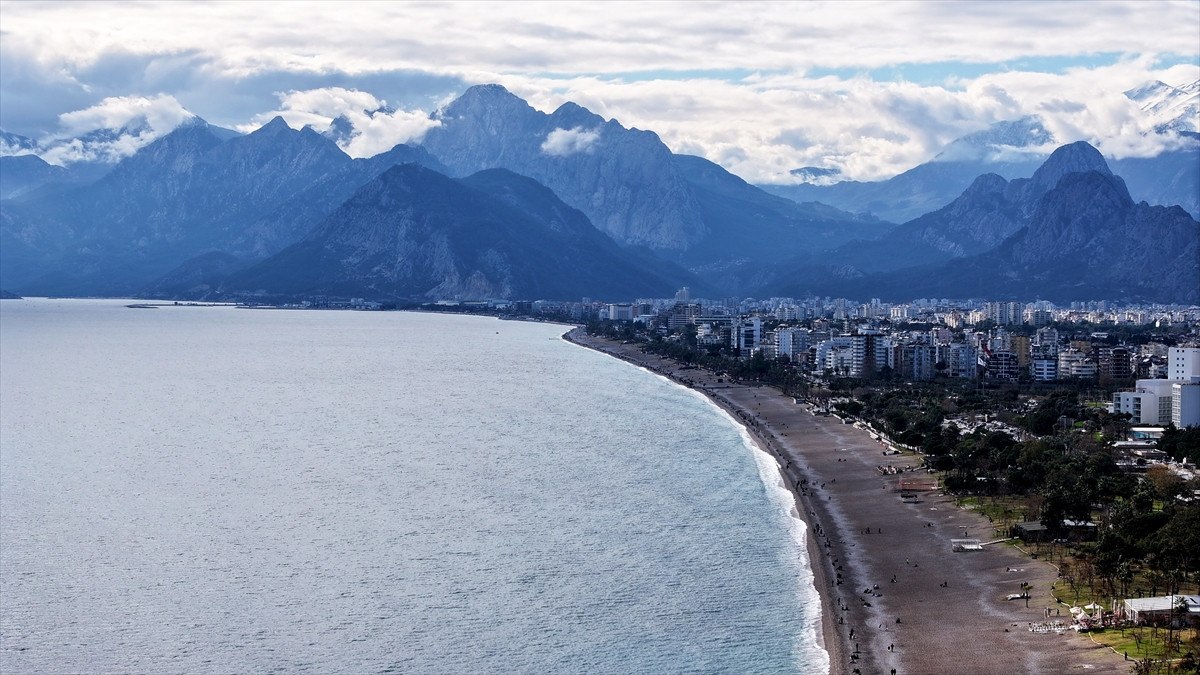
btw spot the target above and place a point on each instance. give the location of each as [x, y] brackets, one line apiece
[894, 594]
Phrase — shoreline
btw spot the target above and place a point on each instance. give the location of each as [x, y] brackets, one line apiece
[913, 605]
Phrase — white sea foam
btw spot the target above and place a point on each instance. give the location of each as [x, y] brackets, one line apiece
[810, 640]
[811, 654]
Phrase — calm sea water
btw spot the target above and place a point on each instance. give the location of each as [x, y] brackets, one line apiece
[229, 490]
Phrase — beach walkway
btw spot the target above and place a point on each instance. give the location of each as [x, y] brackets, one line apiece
[895, 594]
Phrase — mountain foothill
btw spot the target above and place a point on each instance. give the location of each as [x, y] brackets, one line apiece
[502, 201]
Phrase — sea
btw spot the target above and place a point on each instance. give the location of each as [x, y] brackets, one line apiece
[221, 489]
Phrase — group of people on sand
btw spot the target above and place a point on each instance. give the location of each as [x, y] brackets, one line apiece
[889, 470]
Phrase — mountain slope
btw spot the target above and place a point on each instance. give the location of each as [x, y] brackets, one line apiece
[21, 173]
[1012, 150]
[990, 210]
[414, 233]
[1172, 108]
[1084, 238]
[629, 183]
[1171, 178]
[190, 192]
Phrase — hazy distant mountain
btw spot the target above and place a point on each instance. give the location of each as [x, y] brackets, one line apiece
[413, 233]
[989, 211]
[24, 173]
[747, 222]
[1172, 177]
[202, 206]
[340, 130]
[198, 278]
[1087, 241]
[629, 183]
[188, 193]
[1012, 149]
[21, 173]
[1073, 233]
[83, 158]
[815, 175]
[15, 144]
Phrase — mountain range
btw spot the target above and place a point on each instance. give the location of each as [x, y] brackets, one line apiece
[502, 200]
[630, 184]
[1173, 108]
[415, 233]
[188, 193]
[1072, 231]
[1014, 149]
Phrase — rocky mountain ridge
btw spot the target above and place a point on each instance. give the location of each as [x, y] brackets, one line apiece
[629, 183]
[1071, 232]
[1014, 149]
[187, 193]
[416, 234]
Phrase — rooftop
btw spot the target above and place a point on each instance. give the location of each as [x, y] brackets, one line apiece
[1163, 603]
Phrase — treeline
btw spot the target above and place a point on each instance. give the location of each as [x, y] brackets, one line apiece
[757, 368]
[1065, 469]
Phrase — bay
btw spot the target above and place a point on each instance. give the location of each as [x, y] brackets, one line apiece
[216, 489]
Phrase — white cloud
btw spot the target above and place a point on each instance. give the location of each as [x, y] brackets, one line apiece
[113, 129]
[376, 128]
[760, 87]
[382, 131]
[763, 127]
[564, 142]
[360, 37]
[161, 113]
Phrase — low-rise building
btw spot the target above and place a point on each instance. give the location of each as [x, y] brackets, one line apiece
[1181, 610]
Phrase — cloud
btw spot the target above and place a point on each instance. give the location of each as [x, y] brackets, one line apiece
[374, 127]
[159, 114]
[111, 130]
[564, 142]
[763, 127]
[601, 37]
[870, 89]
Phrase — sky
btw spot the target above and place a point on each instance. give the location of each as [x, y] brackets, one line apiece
[869, 89]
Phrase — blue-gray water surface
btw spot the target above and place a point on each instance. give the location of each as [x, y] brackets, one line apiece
[189, 489]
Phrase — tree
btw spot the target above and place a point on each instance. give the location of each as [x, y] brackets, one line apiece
[1167, 484]
[1181, 443]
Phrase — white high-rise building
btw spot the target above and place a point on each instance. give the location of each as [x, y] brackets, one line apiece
[1149, 403]
[748, 334]
[1185, 404]
[791, 342]
[1183, 364]
[963, 360]
[1175, 400]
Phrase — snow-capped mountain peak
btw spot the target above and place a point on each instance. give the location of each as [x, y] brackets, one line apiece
[1170, 108]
